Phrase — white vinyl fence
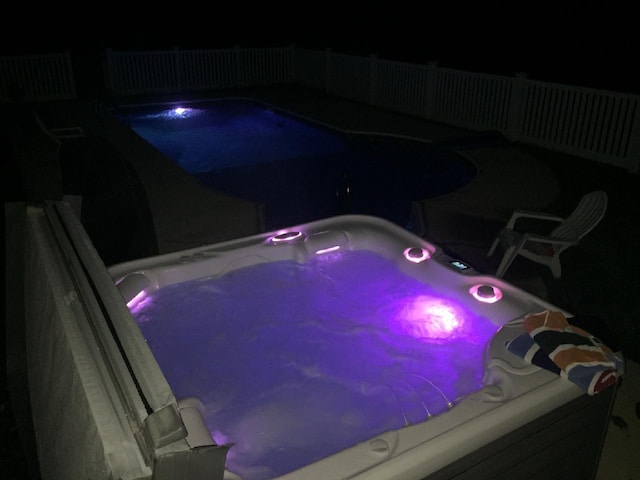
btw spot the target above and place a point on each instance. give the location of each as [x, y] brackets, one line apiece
[37, 78]
[134, 73]
[599, 125]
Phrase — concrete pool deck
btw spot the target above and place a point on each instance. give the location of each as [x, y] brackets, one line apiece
[510, 176]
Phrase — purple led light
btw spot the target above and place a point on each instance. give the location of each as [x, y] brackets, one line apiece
[486, 293]
[416, 254]
[135, 300]
[286, 237]
[327, 250]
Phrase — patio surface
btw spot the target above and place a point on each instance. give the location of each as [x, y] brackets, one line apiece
[600, 276]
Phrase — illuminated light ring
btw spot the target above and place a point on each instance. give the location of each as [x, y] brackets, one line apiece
[327, 250]
[416, 254]
[477, 291]
[286, 237]
[179, 110]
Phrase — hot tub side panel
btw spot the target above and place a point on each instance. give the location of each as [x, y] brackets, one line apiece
[565, 443]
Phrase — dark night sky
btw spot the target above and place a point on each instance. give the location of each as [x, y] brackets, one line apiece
[582, 42]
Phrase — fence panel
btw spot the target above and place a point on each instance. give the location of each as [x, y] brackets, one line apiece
[207, 69]
[37, 78]
[310, 68]
[132, 73]
[179, 70]
[588, 123]
[350, 77]
[471, 100]
[264, 66]
[401, 87]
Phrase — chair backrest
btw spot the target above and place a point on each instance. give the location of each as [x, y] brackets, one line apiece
[584, 218]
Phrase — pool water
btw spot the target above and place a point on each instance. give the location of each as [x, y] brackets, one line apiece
[297, 361]
[299, 171]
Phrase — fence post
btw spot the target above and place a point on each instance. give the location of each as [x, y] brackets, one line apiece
[106, 72]
[292, 76]
[516, 106]
[238, 67]
[430, 87]
[633, 152]
[373, 78]
[110, 74]
[176, 67]
[70, 74]
[327, 70]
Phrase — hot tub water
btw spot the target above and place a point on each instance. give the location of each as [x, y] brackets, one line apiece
[297, 361]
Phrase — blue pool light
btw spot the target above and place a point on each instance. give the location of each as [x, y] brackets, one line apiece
[174, 113]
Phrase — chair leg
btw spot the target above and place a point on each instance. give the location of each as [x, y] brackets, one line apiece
[556, 269]
[509, 255]
[493, 246]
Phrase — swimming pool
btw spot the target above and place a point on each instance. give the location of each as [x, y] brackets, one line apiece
[299, 170]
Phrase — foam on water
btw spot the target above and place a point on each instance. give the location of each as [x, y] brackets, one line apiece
[295, 362]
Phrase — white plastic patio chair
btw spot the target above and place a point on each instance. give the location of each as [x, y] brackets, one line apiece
[59, 134]
[546, 249]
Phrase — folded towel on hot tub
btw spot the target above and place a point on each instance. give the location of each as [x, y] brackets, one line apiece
[525, 347]
[574, 353]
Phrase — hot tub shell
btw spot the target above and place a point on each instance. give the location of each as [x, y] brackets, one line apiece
[515, 393]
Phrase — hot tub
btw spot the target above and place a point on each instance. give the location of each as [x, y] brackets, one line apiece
[351, 348]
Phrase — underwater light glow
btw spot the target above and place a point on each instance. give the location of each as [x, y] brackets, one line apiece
[431, 317]
[175, 113]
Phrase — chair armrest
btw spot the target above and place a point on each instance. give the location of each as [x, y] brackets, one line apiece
[517, 214]
[529, 237]
[68, 132]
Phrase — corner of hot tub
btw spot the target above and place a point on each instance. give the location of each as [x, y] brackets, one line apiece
[133, 286]
[507, 375]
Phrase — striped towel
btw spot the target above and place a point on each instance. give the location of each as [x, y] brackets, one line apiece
[580, 356]
[524, 346]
